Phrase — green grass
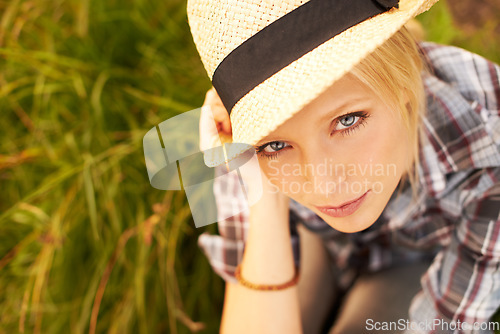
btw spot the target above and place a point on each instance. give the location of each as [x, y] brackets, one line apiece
[441, 28]
[81, 246]
[86, 244]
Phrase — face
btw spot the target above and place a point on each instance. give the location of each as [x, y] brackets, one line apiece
[342, 156]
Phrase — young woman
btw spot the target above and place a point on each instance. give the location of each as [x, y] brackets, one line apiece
[378, 154]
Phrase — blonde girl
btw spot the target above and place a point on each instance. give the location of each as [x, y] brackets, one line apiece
[380, 159]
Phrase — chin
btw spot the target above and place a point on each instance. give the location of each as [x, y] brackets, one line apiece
[347, 224]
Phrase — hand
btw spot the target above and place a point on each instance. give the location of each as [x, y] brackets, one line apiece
[215, 123]
[215, 129]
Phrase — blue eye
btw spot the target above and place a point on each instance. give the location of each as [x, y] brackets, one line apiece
[346, 124]
[348, 121]
[274, 146]
[271, 149]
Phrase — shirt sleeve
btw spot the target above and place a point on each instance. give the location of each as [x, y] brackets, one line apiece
[462, 286]
[225, 251]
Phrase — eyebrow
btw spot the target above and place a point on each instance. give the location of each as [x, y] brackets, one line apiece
[334, 113]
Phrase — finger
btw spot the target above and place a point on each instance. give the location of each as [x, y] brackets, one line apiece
[226, 125]
[221, 119]
[220, 113]
[207, 123]
[221, 116]
[208, 128]
[213, 98]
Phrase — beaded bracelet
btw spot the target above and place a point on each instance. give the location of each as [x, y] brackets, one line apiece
[266, 287]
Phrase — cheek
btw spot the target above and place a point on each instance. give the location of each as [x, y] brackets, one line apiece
[275, 171]
[283, 176]
[380, 151]
[393, 148]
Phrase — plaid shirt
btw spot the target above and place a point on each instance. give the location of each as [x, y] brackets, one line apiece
[454, 221]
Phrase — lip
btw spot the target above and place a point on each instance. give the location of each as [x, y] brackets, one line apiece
[344, 210]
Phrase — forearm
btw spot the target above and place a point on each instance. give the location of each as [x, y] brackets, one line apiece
[268, 259]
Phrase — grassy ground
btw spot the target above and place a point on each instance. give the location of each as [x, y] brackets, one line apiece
[86, 244]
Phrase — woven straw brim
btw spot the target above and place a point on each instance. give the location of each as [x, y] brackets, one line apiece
[285, 93]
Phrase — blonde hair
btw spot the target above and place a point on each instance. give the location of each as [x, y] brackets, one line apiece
[394, 72]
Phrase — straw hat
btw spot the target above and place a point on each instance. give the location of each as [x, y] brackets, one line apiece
[268, 59]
